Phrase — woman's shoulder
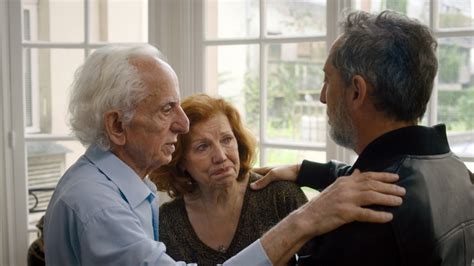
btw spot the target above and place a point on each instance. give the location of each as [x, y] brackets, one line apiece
[173, 206]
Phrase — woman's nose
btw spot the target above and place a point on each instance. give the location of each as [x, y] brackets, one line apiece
[219, 155]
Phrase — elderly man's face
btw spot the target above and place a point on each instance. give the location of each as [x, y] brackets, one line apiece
[333, 94]
[158, 119]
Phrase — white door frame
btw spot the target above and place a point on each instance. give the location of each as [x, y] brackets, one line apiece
[14, 197]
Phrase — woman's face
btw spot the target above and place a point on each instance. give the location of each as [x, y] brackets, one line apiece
[212, 157]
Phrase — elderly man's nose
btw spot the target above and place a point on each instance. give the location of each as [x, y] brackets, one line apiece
[181, 125]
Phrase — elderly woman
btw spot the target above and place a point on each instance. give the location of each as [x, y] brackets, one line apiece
[214, 214]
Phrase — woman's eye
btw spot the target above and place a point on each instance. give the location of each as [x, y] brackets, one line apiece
[227, 140]
[201, 147]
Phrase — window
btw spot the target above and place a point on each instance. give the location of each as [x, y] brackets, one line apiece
[268, 61]
[265, 56]
[57, 36]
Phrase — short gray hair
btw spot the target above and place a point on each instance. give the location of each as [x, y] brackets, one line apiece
[396, 55]
[106, 81]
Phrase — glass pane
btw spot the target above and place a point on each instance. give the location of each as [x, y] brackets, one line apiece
[455, 14]
[46, 163]
[286, 156]
[108, 23]
[53, 20]
[419, 9]
[470, 166]
[233, 73]
[456, 92]
[294, 83]
[296, 18]
[231, 19]
[48, 79]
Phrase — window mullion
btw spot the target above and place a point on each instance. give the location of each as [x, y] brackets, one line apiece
[263, 85]
[86, 27]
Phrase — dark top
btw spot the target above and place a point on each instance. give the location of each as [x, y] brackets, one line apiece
[435, 223]
[261, 210]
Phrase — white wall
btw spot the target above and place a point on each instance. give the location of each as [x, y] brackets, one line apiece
[3, 22]
[4, 256]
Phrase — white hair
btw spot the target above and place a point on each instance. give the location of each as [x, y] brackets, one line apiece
[106, 81]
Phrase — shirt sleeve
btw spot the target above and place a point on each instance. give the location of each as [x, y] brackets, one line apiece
[251, 255]
[114, 237]
[320, 175]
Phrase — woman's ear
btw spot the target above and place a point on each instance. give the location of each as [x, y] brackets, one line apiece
[114, 127]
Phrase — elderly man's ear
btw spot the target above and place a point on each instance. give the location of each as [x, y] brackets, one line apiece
[114, 127]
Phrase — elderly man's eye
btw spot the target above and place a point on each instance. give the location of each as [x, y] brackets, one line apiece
[167, 108]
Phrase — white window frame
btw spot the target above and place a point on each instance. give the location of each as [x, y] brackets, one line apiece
[35, 117]
[14, 196]
[176, 28]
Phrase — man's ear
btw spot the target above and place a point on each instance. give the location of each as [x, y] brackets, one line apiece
[359, 93]
[114, 127]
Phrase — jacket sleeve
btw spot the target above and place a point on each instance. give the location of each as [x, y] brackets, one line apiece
[320, 175]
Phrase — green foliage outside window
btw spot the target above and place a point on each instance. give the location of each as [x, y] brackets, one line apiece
[450, 58]
[455, 108]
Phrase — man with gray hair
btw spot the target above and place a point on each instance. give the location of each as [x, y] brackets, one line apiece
[378, 80]
[125, 109]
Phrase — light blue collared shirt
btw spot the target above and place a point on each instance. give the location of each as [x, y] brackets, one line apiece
[101, 214]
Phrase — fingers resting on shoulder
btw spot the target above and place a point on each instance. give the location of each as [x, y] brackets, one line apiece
[270, 174]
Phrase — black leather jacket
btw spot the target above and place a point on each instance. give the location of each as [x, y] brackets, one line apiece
[434, 225]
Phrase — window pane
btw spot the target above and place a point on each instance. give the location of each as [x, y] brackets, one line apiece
[52, 20]
[296, 18]
[46, 162]
[294, 83]
[51, 75]
[470, 166]
[231, 19]
[456, 92]
[108, 23]
[418, 9]
[285, 156]
[233, 73]
[455, 14]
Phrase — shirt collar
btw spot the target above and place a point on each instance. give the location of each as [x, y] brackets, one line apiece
[132, 187]
[412, 140]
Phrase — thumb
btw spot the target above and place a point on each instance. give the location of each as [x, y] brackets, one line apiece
[261, 183]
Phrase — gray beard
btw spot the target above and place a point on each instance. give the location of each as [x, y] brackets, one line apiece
[342, 130]
[344, 136]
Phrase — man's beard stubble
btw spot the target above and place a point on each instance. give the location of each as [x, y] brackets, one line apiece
[342, 129]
